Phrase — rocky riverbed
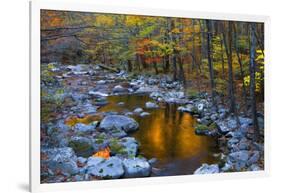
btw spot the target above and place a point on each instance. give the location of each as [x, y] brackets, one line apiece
[83, 138]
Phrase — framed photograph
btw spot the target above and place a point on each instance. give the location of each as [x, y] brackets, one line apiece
[123, 95]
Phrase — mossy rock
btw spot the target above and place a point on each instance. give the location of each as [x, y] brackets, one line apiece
[192, 94]
[201, 127]
[99, 141]
[213, 126]
[82, 146]
[116, 147]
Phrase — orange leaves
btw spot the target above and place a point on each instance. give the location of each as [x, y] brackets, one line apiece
[73, 120]
[52, 18]
[150, 49]
[105, 153]
[56, 21]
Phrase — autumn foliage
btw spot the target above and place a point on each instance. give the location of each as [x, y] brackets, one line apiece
[105, 153]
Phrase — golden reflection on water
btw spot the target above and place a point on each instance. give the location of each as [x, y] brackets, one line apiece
[167, 134]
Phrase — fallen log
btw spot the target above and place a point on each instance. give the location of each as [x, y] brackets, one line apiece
[109, 68]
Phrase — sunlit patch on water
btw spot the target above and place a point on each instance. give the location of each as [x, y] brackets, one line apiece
[73, 120]
[167, 135]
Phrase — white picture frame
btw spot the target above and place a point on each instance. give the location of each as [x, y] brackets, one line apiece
[35, 7]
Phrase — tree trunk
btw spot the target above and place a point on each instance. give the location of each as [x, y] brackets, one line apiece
[166, 40]
[155, 67]
[231, 90]
[174, 56]
[180, 58]
[143, 62]
[167, 64]
[228, 50]
[222, 58]
[193, 46]
[138, 62]
[210, 62]
[130, 67]
[202, 55]
[240, 64]
[252, 69]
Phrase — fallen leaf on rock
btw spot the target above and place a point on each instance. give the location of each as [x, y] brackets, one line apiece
[105, 153]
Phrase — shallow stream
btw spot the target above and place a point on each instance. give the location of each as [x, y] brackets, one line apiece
[167, 135]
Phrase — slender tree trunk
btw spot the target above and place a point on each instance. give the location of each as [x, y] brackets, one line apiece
[252, 69]
[222, 57]
[202, 55]
[193, 46]
[210, 62]
[230, 73]
[155, 67]
[180, 59]
[174, 56]
[130, 67]
[138, 62]
[240, 64]
[166, 40]
[231, 90]
[143, 62]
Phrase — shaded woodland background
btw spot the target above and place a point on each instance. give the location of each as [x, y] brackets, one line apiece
[224, 58]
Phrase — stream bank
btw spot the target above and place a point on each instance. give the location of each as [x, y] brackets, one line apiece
[149, 123]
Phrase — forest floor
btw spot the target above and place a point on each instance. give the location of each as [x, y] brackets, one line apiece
[97, 124]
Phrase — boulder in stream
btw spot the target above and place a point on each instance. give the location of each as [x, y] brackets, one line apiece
[82, 146]
[119, 122]
[60, 159]
[208, 169]
[119, 89]
[151, 105]
[111, 168]
[136, 167]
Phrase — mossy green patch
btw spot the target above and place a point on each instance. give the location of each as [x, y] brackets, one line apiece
[213, 126]
[116, 147]
[81, 148]
[201, 127]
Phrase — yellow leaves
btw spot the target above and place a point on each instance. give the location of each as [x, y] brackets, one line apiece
[134, 20]
[260, 57]
[51, 66]
[105, 153]
[102, 20]
[259, 81]
[175, 30]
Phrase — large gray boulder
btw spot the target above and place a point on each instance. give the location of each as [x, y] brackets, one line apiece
[111, 168]
[79, 69]
[93, 161]
[119, 122]
[60, 159]
[207, 169]
[85, 128]
[136, 167]
[243, 158]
